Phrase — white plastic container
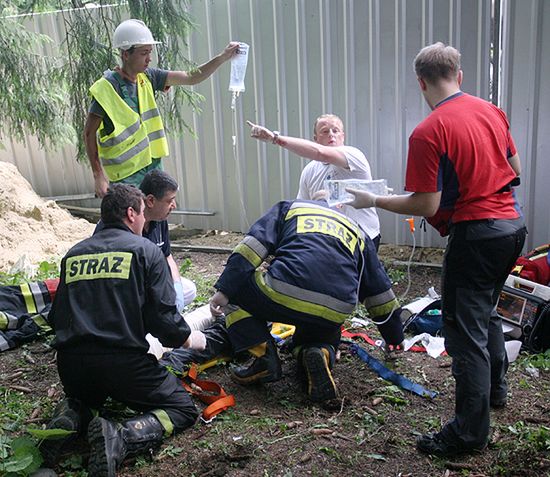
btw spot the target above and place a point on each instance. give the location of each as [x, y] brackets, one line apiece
[238, 69]
[337, 189]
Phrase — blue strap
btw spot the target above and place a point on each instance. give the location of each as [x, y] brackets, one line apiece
[390, 375]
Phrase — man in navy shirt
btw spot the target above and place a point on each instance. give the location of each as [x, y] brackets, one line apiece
[160, 190]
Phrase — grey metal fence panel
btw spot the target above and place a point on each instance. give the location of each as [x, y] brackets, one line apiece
[307, 57]
[525, 95]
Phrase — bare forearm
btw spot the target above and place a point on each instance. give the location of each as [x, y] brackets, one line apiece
[312, 150]
[301, 147]
[204, 71]
[174, 270]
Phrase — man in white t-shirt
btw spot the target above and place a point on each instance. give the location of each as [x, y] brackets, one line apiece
[330, 159]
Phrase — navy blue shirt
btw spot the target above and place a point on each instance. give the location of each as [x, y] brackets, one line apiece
[158, 234]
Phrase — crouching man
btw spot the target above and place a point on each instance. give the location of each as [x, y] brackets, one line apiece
[115, 288]
[323, 264]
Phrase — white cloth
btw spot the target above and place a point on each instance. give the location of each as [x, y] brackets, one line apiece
[435, 345]
[315, 173]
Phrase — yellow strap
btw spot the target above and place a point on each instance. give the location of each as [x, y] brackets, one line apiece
[27, 296]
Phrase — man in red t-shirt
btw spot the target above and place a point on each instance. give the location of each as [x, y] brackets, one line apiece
[461, 166]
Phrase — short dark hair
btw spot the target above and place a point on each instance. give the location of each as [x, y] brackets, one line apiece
[436, 62]
[117, 200]
[158, 183]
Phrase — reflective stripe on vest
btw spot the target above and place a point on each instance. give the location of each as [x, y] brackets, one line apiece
[135, 139]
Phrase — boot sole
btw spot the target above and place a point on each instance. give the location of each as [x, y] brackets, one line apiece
[321, 386]
[99, 466]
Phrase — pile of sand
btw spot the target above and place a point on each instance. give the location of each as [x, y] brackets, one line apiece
[32, 229]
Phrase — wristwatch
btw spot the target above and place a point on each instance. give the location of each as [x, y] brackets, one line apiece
[276, 135]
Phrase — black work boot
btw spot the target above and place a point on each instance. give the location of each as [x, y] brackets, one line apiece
[70, 415]
[317, 363]
[264, 367]
[111, 442]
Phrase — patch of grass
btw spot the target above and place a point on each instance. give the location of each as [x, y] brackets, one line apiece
[204, 284]
[396, 274]
[540, 361]
[393, 395]
[526, 448]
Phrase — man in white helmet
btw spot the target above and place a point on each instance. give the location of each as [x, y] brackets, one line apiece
[124, 134]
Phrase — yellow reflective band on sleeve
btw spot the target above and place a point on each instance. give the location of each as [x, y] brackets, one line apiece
[299, 305]
[42, 323]
[98, 265]
[27, 296]
[383, 310]
[165, 421]
[249, 254]
[235, 316]
[327, 226]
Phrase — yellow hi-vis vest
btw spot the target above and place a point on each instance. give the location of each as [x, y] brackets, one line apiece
[136, 138]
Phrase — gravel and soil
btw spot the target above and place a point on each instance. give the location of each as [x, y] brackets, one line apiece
[274, 431]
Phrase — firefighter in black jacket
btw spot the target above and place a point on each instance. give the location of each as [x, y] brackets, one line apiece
[323, 265]
[115, 288]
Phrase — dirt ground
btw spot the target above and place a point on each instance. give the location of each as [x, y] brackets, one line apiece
[274, 431]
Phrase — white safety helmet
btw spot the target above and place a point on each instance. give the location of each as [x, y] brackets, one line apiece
[132, 33]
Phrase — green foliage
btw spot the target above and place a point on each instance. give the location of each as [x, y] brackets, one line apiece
[20, 456]
[185, 266]
[33, 99]
[46, 94]
[538, 437]
[45, 270]
[396, 274]
[539, 361]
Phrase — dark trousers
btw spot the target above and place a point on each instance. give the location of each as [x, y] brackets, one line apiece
[134, 379]
[474, 272]
[249, 313]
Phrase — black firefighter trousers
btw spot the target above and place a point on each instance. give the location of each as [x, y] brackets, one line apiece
[132, 378]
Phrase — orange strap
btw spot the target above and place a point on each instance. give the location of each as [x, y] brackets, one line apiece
[369, 340]
[210, 393]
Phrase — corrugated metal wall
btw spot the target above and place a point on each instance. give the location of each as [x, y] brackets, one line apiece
[525, 95]
[307, 57]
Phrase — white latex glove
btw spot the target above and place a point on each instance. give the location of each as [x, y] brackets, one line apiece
[363, 199]
[217, 302]
[196, 340]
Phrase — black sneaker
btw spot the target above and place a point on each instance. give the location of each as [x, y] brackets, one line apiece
[316, 362]
[434, 444]
[262, 369]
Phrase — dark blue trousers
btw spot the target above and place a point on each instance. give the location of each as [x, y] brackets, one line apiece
[474, 272]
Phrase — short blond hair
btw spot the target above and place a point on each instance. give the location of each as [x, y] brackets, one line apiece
[326, 116]
[436, 62]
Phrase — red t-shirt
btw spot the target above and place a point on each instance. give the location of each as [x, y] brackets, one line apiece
[462, 149]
